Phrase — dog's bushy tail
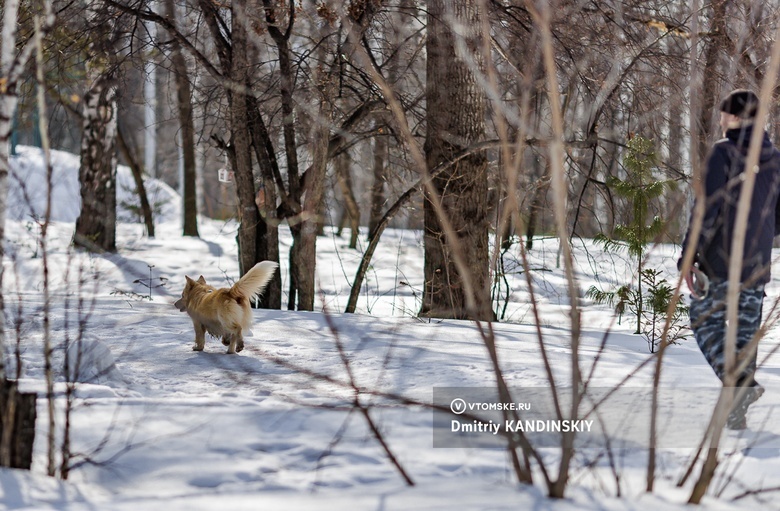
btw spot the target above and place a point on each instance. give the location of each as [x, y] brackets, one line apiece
[254, 281]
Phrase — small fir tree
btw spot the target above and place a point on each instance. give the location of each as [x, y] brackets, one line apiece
[639, 188]
[659, 296]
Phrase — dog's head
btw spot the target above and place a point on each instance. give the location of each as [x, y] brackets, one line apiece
[189, 287]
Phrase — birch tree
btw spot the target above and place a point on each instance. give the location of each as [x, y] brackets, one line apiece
[14, 59]
[8, 100]
[17, 410]
[96, 225]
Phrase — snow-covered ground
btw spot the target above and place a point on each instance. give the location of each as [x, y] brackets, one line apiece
[161, 427]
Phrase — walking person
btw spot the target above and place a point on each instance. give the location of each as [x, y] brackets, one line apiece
[707, 278]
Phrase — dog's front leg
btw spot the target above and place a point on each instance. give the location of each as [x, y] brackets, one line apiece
[200, 336]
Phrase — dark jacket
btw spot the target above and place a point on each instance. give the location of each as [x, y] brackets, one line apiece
[723, 184]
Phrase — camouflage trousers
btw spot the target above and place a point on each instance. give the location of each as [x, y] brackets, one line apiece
[708, 322]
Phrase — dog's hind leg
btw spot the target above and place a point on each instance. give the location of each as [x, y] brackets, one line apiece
[233, 341]
[200, 336]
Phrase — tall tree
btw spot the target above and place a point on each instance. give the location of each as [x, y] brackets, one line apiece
[351, 211]
[308, 189]
[14, 57]
[281, 33]
[17, 410]
[10, 72]
[455, 121]
[96, 225]
[258, 230]
[715, 46]
[378, 186]
[241, 139]
[187, 125]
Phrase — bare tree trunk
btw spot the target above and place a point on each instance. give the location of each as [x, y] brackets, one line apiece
[455, 119]
[187, 124]
[541, 186]
[378, 187]
[257, 236]
[287, 79]
[96, 224]
[248, 214]
[351, 206]
[559, 186]
[17, 426]
[8, 100]
[17, 410]
[150, 101]
[135, 168]
[342, 222]
[675, 160]
[268, 226]
[400, 32]
[711, 87]
[303, 254]
[43, 244]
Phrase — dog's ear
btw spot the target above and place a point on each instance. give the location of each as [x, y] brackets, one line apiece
[189, 280]
[201, 280]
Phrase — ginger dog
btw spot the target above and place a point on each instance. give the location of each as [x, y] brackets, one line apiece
[224, 312]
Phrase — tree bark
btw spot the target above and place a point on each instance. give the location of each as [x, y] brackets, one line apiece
[292, 205]
[17, 410]
[96, 224]
[17, 426]
[352, 210]
[378, 186]
[267, 247]
[135, 168]
[455, 120]
[187, 124]
[541, 185]
[248, 214]
[712, 81]
[8, 101]
[303, 253]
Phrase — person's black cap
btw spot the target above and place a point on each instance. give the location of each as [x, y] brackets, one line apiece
[742, 103]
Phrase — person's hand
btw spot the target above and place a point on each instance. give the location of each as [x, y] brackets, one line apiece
[698, 283]
[688, 277]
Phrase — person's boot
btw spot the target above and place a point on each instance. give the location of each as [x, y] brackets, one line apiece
[737, 419]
